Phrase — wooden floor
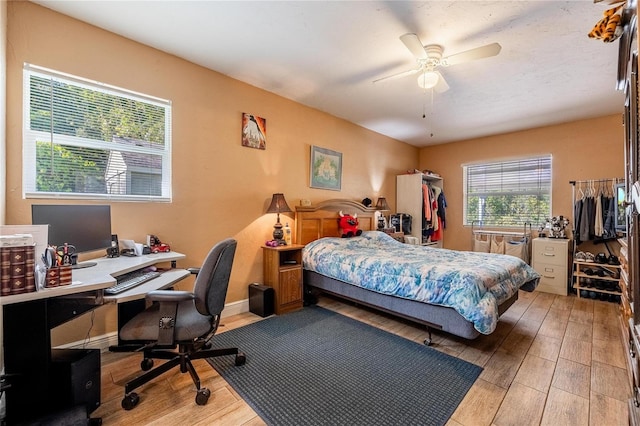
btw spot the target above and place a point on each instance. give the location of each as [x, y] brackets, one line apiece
[553, 360]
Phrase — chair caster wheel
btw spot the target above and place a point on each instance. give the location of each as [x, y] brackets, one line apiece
[241, 358]
[130, 401]
[428, 342]
[203, 396]
[146, 364]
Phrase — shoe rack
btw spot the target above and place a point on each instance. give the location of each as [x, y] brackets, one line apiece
[597, 281]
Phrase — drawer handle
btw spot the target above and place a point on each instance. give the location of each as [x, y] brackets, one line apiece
[549, 276]
[548, 254]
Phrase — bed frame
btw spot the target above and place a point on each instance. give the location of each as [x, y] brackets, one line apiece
[321, 220]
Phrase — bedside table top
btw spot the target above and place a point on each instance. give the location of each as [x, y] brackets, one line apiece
[285, 248]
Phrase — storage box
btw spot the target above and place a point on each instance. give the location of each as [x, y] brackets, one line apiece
[17, 269]
[58, 276]
[261, 299]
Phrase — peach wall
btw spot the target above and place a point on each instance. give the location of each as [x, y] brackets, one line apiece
[581, 150]
[220, 188]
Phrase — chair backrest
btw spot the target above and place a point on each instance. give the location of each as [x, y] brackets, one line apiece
[210, 288]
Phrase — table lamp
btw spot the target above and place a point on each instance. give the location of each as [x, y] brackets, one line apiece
[278, 205]
[382, 206]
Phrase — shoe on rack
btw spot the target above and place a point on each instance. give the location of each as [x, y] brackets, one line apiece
[589, 257]
[613, 273]
[613, 260]
[580, 256]
[601, 258]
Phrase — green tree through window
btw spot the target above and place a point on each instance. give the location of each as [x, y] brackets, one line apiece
[87, 138]
[508, 193]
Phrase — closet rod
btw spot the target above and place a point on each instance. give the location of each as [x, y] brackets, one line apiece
[573, 182]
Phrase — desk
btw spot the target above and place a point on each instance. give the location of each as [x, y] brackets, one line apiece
[28, 319]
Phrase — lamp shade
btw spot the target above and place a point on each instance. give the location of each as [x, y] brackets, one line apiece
[382, 205]
[278, 204]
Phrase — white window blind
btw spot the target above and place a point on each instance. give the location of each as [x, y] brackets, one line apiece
[88, 140]
[508, 193]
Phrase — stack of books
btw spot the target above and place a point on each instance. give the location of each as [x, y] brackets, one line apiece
[17, 264]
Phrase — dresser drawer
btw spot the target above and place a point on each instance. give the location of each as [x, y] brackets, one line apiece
[551, 252]
[553, 278]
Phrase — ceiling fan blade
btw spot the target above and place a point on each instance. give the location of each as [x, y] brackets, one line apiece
[414, 45]
[399, 75]
[471, 55]
[441, 86]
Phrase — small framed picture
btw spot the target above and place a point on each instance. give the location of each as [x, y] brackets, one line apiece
[325, 169]
[254, 131]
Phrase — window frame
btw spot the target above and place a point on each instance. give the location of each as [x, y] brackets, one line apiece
[510, 161]
[31, 137]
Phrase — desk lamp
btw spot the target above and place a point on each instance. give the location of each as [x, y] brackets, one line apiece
[278, 205]
[382, 206]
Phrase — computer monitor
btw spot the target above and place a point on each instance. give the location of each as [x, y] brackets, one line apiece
[86, 227]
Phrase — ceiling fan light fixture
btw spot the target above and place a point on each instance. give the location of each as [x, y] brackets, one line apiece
[428, 79]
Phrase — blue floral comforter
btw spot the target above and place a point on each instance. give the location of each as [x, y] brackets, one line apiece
[473, 284]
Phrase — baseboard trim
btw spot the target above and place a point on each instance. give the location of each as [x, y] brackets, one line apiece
[103, 341]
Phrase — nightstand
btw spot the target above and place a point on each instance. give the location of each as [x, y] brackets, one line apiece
[282, 268]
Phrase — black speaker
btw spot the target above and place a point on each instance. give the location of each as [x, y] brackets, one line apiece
[75, 377]
[261, 298]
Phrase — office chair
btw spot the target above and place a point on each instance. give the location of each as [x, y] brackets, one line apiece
[184, 320]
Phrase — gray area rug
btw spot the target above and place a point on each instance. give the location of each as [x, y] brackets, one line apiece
[317, 367]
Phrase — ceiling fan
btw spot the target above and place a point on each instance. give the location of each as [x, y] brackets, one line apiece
[429, 57]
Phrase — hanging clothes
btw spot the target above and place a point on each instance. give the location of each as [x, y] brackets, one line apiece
[609, 230]
[584, 220]
[437, 233]
[598, 222]
[442, 208]
[594, 210]
[577, 213]
[434, 207]
[426, 199]
[591, 205]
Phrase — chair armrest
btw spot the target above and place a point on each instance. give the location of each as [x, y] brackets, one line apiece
[169, 296]
[193, 271]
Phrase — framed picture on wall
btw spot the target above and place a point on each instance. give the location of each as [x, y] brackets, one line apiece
[325, 169]
[254, 131]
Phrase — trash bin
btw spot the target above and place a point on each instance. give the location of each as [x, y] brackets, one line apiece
[261, 298]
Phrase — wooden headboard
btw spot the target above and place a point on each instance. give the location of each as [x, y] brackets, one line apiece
[321, 220]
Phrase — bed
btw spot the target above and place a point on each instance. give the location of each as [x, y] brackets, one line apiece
[462, 293]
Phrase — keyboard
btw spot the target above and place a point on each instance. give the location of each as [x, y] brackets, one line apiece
[130, 280]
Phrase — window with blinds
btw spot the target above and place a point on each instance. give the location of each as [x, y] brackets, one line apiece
[508, 193]
[88, 140]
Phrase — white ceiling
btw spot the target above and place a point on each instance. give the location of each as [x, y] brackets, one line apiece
[325, 54]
